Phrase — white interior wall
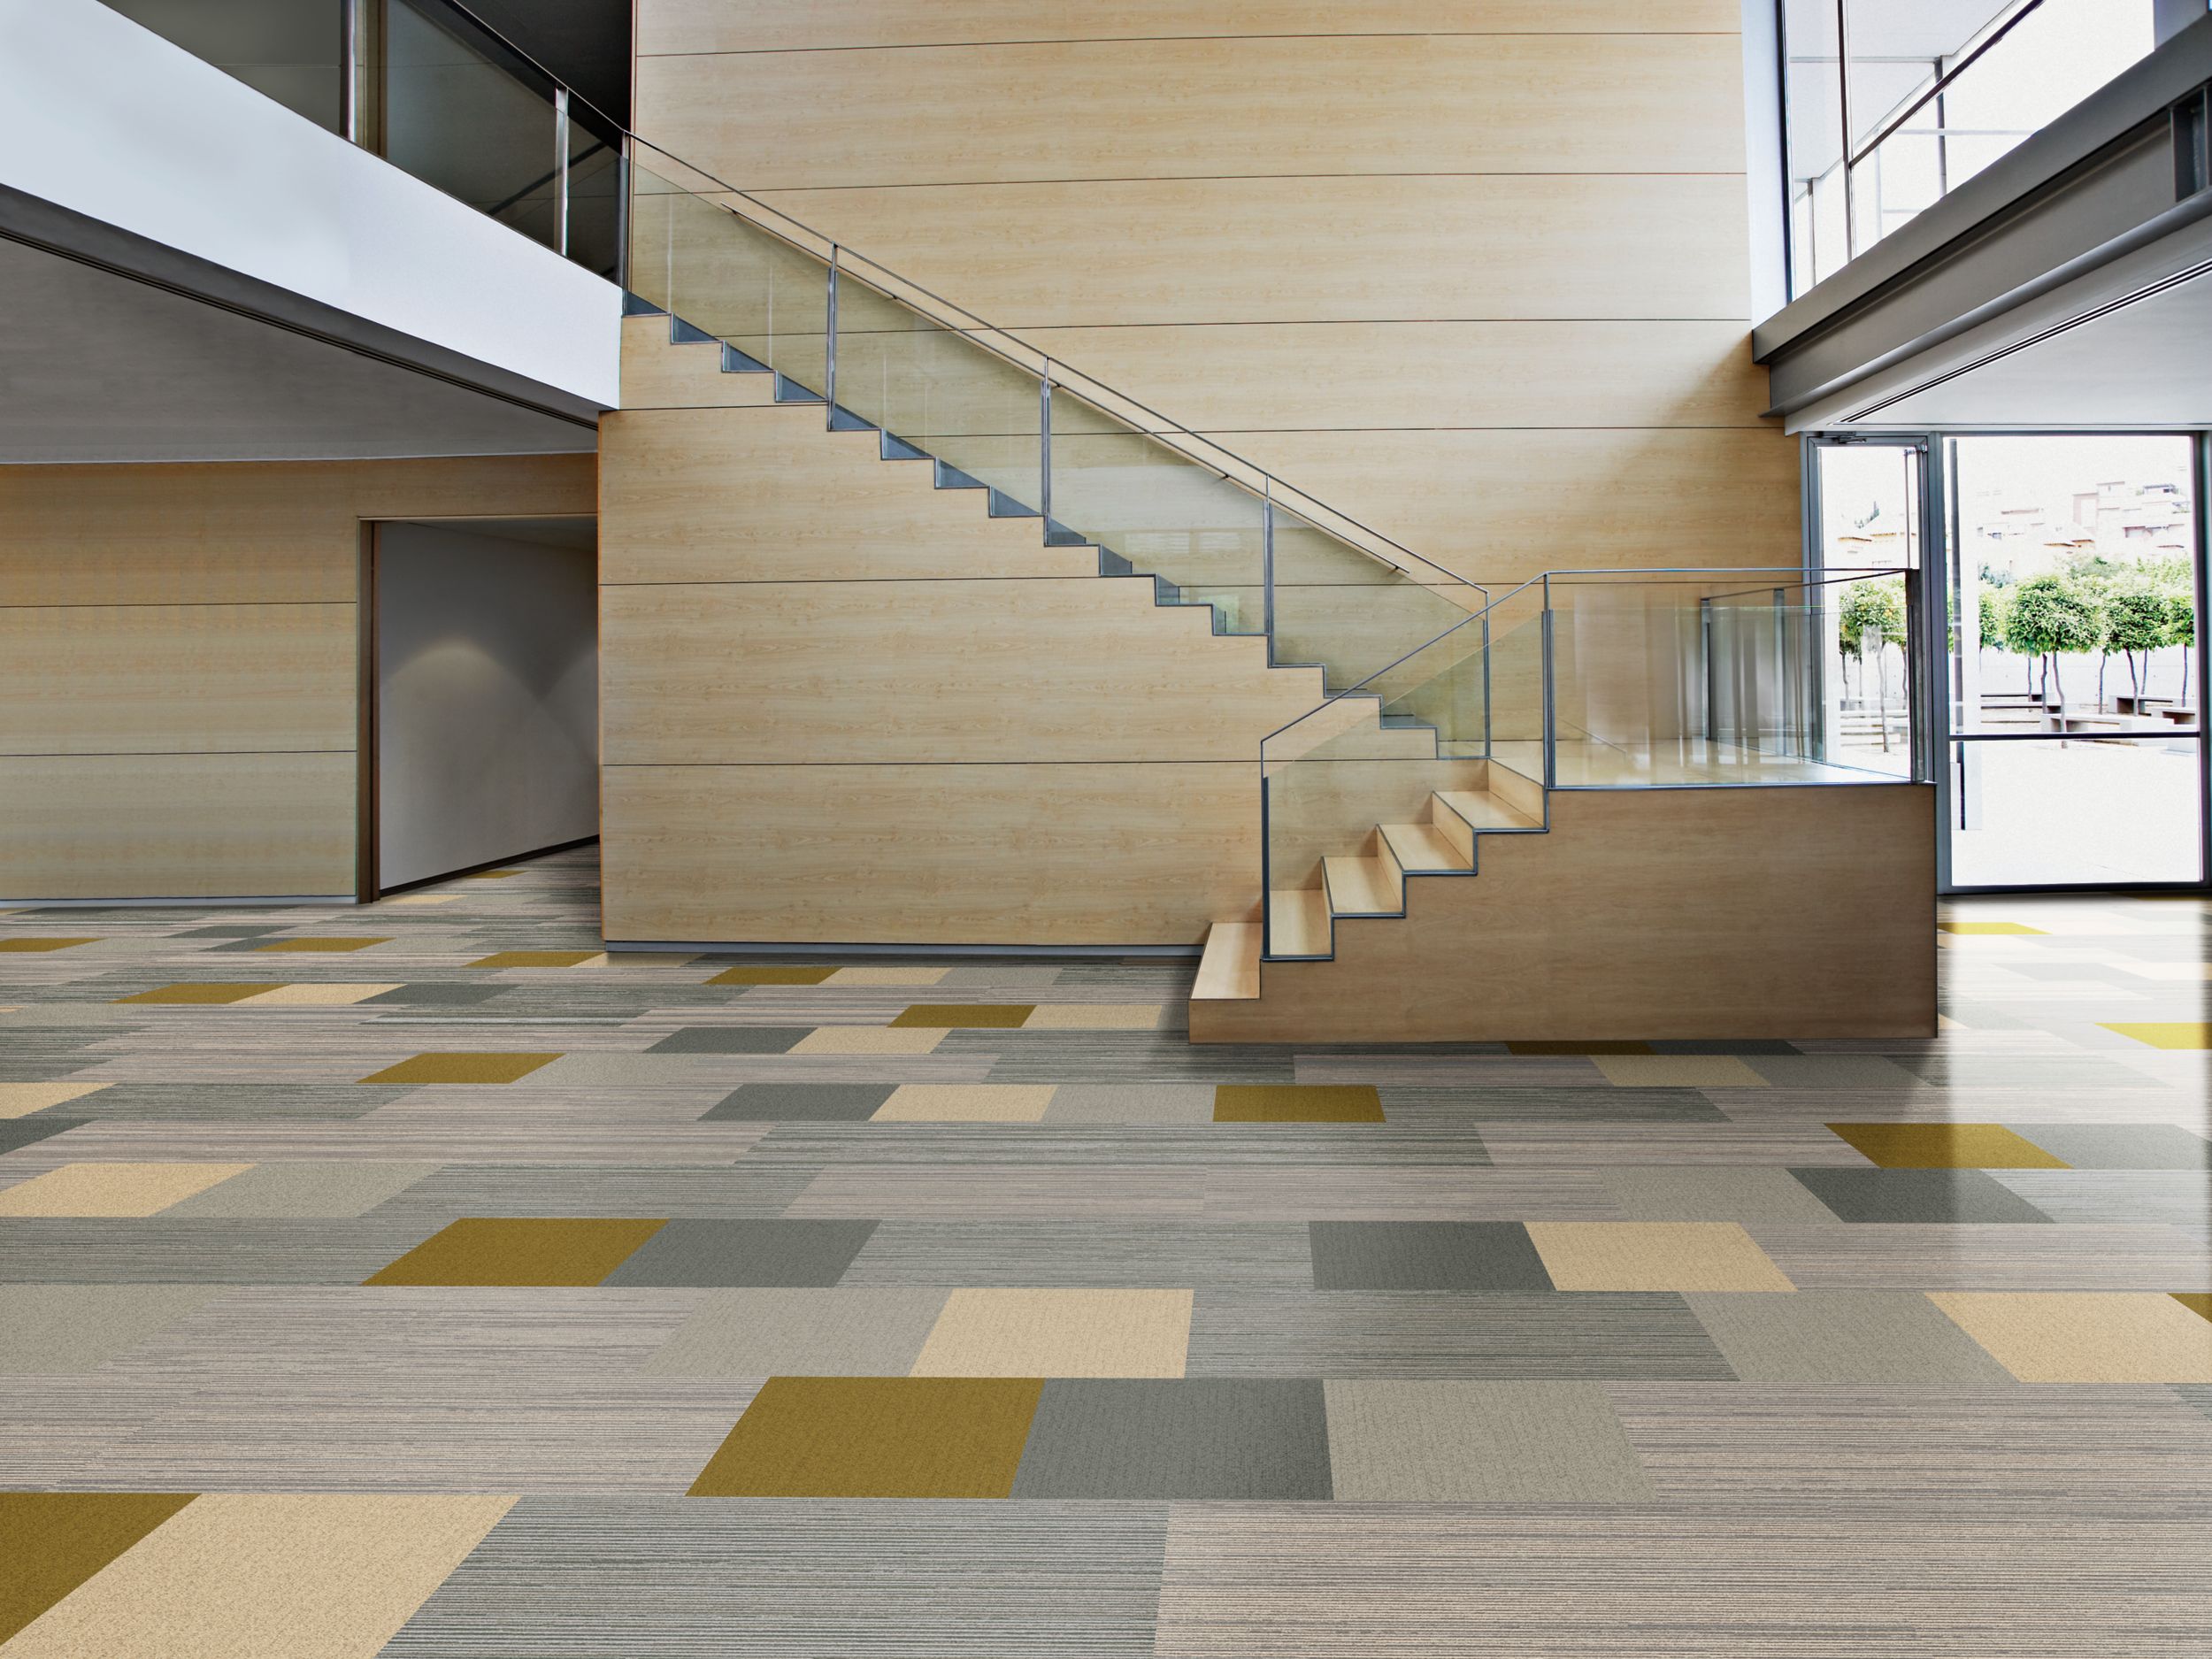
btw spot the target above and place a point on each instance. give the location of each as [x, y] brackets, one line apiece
[487, 698]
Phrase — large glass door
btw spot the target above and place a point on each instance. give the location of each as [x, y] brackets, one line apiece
[1872, 510]
[2074, 750]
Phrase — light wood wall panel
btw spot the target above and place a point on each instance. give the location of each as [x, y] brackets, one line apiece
[769, 25]
[1671, 913]
[135, 679]
[1041, 854]
[766, 494]
[179, 664]
[1210, 108]
[831, 673]
[1366, 248]
[176, 826]
[1475, 273]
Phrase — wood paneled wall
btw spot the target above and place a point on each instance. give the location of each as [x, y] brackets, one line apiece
[840, 706]
[1473, 272]
[179, 665]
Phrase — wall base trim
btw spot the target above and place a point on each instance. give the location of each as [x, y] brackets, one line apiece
[1076, 953]
[133, 904]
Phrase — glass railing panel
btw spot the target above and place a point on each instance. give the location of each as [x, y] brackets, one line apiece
[1711, 678]
[940, 391]
[1337, 605]
[459, 118]
[1159, 512]
[595, 196]
[755, 292]
[286, 50]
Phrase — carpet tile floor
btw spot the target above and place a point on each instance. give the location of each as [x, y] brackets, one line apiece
[437, 1284]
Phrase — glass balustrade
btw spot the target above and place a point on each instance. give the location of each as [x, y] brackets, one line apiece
[1595, 679]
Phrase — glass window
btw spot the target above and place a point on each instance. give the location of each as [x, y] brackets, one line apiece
[2074, 750]
[291, 50]
[1931, 92]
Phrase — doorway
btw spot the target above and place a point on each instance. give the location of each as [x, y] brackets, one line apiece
[484, 698]
[2059, 641]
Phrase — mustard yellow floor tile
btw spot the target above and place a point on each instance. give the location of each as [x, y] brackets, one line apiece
[248, 1575]
[1059, 1333]
[206, 992]
[422, 898]
[965, 1015]
[490, 875]
[539, 959]
[2176, 1033]
[1676, 1071]
[876, 1436]
[113, 1189]
[53, 1541]
[1991, 929]
[2197, 1302]
[1944, 1146]
[462, 1068]
[1297, 1103]
[888, 976]
[771, 976]
[37, 943]
[326, 945]
[316, 996]
[1095, 1016]
[520, 1250]
[20, 1100]
[867, 1040]
[966, 1103]
[2084, 1337]
[1684, 1255]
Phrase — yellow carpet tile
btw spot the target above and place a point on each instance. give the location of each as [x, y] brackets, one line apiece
[1944, 1146]
[875, 1437]
[209, 993]
[539, 959]
[462, 1068]
[43, 944]
[20, 1100]
[519, 1250]
[2178, 1033]
[53, 1541]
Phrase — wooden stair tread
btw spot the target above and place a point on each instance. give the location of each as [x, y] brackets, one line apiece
[1485, 811]
[1230, 970]
[1299, 919]
[1422, 848]
[1362, 887]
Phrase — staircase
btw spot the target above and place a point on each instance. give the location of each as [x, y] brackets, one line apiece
[1437, 706]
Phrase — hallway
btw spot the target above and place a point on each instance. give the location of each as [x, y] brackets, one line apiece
[501, 1299]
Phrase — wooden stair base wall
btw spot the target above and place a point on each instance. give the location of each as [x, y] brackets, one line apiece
[1712, 914]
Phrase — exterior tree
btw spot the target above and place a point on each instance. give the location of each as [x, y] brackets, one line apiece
[2137, 618]
[2051, 615]
[2181, 629]
[1878, 603]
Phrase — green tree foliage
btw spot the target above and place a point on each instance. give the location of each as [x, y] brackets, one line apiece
[1993, 605]
[2137, 618]
[2054, 615]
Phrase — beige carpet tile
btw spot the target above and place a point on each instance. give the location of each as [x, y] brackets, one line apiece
[317, 995]
[1692, 1193]
[867, 1040]
[20, 1100]
[1096, 1017]
[886, 976]
[1002, 1332]
[210, 993]
[1678, 1256]
[2053, 1337]
[327, 1188]
[968, 1103]
[322, 1577]
[53, 1541]
[112, 1189]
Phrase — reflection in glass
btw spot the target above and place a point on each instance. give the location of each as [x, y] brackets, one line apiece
[290, 50]
[457, 116]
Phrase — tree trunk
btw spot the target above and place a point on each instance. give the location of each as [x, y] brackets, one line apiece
[2058, 681]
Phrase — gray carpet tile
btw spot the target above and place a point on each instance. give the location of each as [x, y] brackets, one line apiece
[1203, 1437]
[16, 1133]
[1586, 1336]
[2123, 1146]
[1005, 1191]
[803, 1103]
[2005, 1449]
[1967, 1256]
[1118, 1056]
[1916, 1195]
[663, 1190]
[1844, 1336]
[1425, 1256]
[233, 1101]
[1210, 1146]
[2177, 1197]
[825, 1579]
[1481, 1442]
[61, 1250]
[700, 1252]
[1101, 1255]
